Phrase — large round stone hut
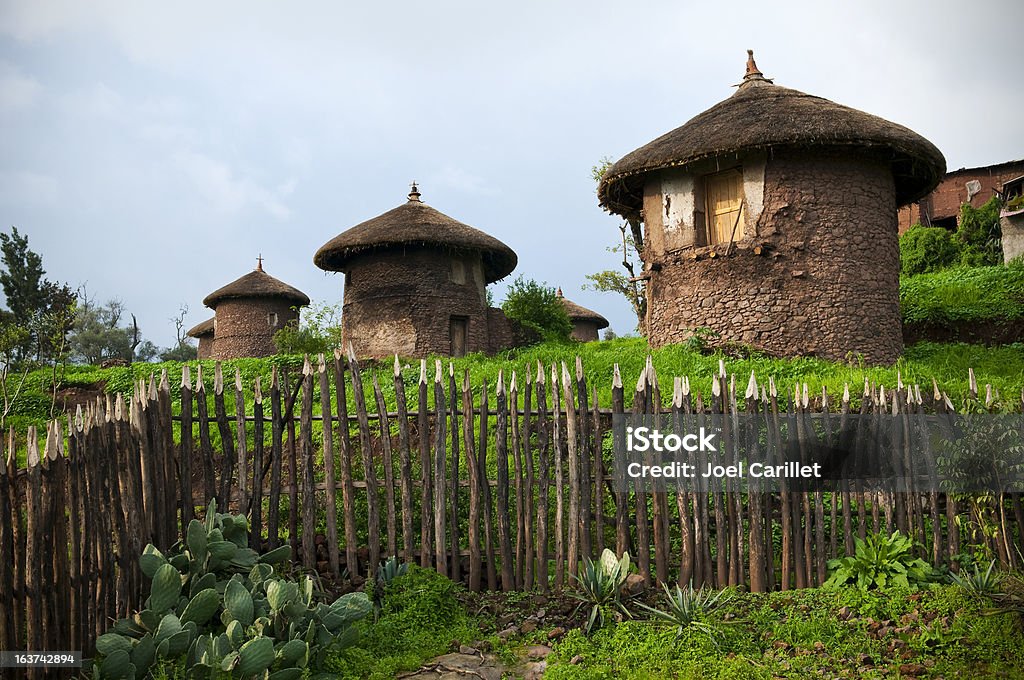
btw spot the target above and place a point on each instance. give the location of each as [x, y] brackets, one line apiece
[248, 311]
[415, 283]
[585, 322]
[771, 219]
[203, 332]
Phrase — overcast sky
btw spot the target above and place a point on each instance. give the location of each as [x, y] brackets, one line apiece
[152, 150]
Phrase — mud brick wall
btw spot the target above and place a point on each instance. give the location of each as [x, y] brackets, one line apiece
[243, 328]
[205, 350]
[403, 301]
[584, 331]
[826, 282]
[945, 200]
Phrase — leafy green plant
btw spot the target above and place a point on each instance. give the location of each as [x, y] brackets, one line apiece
[976, 582]
[880, 561]
[386, 573]
[217, 607]
[600, 586]
[700, 339]
[964, 295]
[980, 235]
[687, 608]
[927, 249]
[316, 331]
[536, 306]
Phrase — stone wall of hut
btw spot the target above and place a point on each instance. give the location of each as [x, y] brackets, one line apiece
[405, 301]
[584, 331]
[245, 327]
[205, 349]
[826, 281]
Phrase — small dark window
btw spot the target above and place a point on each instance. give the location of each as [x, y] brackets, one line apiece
[459, 335]
[272, 318]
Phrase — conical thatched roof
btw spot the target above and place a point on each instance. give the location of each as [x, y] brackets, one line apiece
[761, 115]
[257, 284]
[204, 328]
[580, 313]
[416, 224]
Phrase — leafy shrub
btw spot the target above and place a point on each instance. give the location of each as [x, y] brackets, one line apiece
[979, 234]
[537, 307]
[317, 331]
[687, 607]
[880, 561]
[927, 249]
[600, 586]
[215, 606]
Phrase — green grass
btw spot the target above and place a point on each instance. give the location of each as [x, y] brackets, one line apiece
[799, 634]
[964, 295]
[420, 618]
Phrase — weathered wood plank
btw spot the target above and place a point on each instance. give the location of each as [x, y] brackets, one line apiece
[348, 492]
[369, 469]
[404, 464]
[306, 455]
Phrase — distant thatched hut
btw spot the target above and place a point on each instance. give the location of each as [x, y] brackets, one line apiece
[771, 219]
[248, 311]
[415, 284]
[585, 322]
[203, 332]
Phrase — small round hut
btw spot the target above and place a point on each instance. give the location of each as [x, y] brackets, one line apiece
[204, 334]
[585, 322]
[248, 311]
[771, 219]
[415, 283]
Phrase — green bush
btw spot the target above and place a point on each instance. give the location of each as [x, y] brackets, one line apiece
[927, 249]
[880, 561]
[318, 332]
[536, 306]
[979, 234]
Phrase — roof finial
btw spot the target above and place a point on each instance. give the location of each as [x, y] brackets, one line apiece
[414, 195]
[752, 71]
[259, 262]
[559, 292]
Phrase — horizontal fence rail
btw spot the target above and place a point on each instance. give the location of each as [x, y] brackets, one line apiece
[509, 489]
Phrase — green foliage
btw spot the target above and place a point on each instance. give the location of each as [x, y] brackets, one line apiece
[386, 573]
[42, 308]
[537, 306]
[687, 608]
[927, 249]
[979, 234]
[98, 334]
[599, 584]
[217, 608]
[964, 295]
[880, 561]
[421, 616]
[318, 331]
[976, 582]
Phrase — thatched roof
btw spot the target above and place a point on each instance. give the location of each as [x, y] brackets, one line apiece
[204, 328]
[416, 224]
[580, 313]
[762, 115]
[257, 284]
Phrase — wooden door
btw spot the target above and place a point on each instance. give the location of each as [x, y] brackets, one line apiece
[459, 333]
[724, 192]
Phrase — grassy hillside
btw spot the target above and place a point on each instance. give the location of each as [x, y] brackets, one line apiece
[948, 364]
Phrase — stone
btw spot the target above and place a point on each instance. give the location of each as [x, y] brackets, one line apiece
[538, 651]
[556, 633]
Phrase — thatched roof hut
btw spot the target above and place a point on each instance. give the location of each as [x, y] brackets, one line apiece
[204, 332]
[766, 215]
[415, 283]
[412, 225]
[249, 311]
[762, 116]
[585, 322]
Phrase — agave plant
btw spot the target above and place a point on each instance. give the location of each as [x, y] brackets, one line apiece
[386, 573]
[687, 607]
[978, 583]
[600, 585]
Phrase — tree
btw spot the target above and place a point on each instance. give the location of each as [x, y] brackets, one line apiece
[629, 285]
[537, 306]
[99, 336]
[318, 332]
[980, 235]
[183, 349]
[41, 307]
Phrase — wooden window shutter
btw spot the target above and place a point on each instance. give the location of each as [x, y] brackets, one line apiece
[724, 191]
